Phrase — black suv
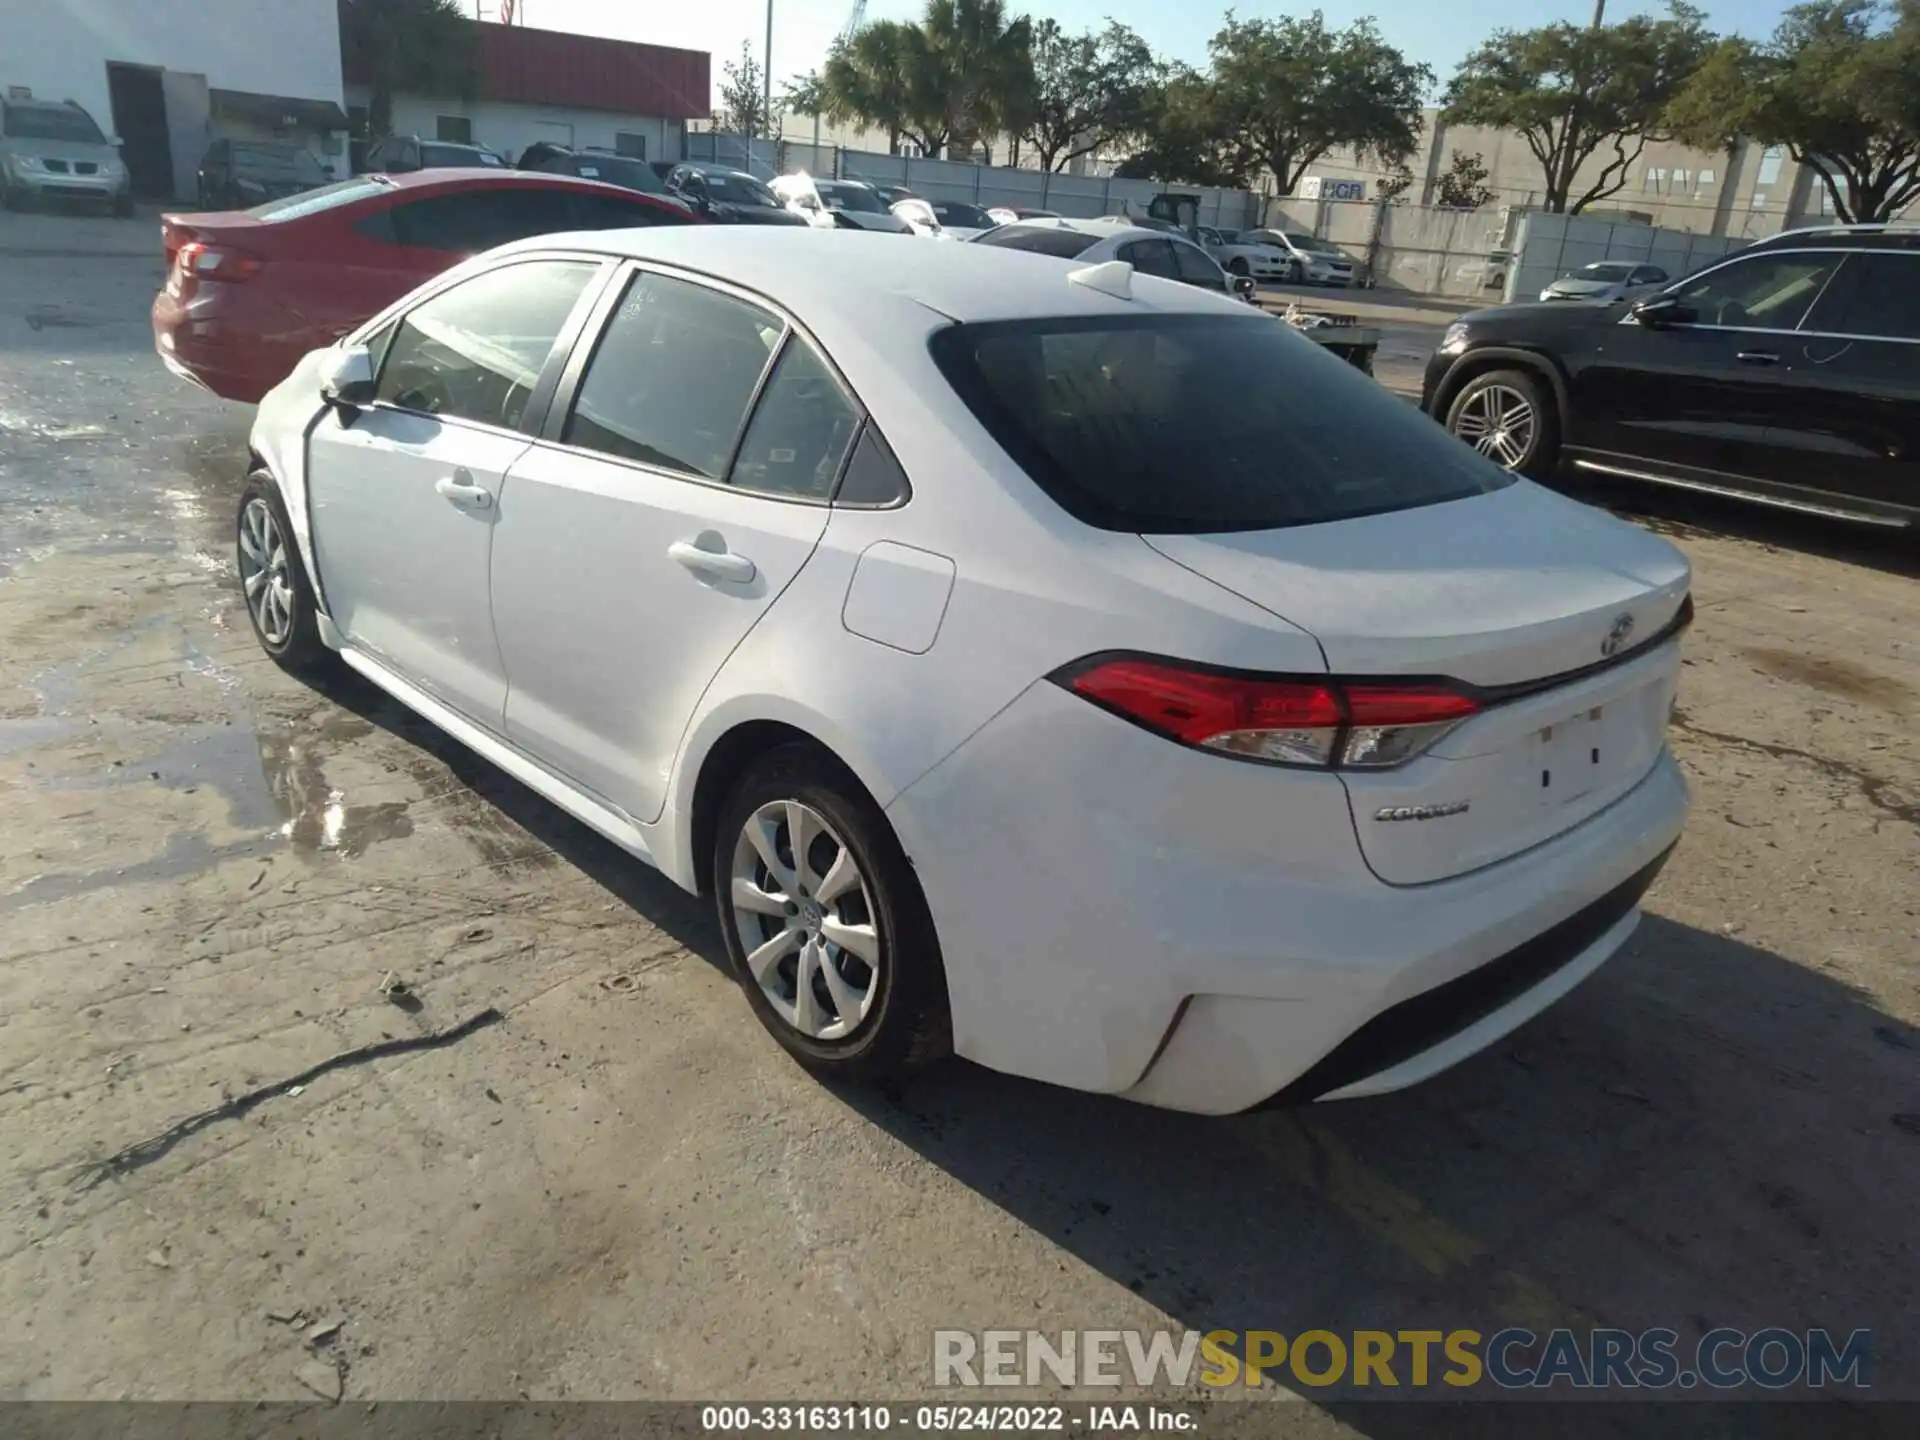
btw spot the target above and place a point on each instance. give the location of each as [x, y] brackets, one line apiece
[402, 154]
[1787, 373]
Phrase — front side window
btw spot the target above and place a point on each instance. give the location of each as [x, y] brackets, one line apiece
[476, 351]
[672, 376]
[800, 430]
[1151, 257]
[1196, 267]
[277, 162]
[1766, 292]
[1140, 423]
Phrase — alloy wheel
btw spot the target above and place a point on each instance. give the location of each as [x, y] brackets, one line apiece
[264, 573]
[1500, 423]
[805, 920]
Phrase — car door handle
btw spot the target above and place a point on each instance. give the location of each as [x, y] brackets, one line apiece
[460, 489]
[720, 561]
[1757, 357]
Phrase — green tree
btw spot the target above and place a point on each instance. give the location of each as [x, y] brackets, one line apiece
[1838, 87]
[1286, 91]
[743, 97]
[1463, 186]
[1570, 89]
[865, 80]
[1089, 90]
[423, 46]
[1190, 143]
[964, 71]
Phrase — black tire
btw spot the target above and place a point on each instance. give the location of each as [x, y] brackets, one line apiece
[300, 649]
[1534, 451]
[907, 1024]
[9, 198]
[1239, 266]
[123, 206]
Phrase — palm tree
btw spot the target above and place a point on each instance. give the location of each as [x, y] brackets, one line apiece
[865, 80]
[425, 46]
[979, 67]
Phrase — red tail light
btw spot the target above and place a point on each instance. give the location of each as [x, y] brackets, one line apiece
[1282, 721]
[204, 260]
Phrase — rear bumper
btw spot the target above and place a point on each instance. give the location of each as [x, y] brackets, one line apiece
[207, 342]
[1119, 914]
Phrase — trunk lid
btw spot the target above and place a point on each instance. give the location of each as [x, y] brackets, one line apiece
[1544, 606]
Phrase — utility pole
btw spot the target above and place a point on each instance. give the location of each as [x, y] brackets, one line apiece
[1599, 13]
[766, 62]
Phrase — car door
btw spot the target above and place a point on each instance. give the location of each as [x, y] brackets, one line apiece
[680, 485]
[406, 492]
[1850, 422]
[1700, 387]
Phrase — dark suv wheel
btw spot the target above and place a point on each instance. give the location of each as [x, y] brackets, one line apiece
[1509, 417]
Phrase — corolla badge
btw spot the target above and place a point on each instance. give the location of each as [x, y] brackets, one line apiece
[1617, 636]
[1422, 812]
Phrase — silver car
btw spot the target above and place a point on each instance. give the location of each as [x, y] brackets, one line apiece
[52, 150]
[1604, 280]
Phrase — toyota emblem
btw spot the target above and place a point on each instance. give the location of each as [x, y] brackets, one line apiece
[1617, 636]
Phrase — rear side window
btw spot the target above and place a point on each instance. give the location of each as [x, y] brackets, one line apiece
[1046, 241]
[672, 376]
[469, 221]
[1151, 257]
[874, 477]
[1196, 268]
[1141, 423]
[610, 212]
[327, 197]
[475, 352]
[1876, 293]
[800, 430]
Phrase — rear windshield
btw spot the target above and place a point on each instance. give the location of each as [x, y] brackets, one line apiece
[1043, 240]
[1193, 424]
[463, 157]
[850, 197]
[967, 217]
[739, 189]
[51, 122]
[312, 202]
[278, 163]
[620, 170]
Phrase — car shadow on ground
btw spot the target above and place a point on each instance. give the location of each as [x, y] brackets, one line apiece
[1704, 1134]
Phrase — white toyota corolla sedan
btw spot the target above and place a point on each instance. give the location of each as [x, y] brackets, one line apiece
[1013, 684]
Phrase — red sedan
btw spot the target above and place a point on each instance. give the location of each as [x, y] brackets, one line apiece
[250, 291]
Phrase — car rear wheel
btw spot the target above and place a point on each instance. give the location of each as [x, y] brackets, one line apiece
[1239, 266]
[1508, 416]
[825, 924]
[273, 582]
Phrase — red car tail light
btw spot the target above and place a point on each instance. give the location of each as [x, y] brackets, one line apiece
[1321, 723]
[203, 260]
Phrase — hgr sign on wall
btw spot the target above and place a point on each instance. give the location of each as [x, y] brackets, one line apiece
[1321, 187]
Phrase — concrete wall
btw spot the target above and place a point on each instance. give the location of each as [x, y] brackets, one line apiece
[510, 128]
[60, 48]
[1549, 246]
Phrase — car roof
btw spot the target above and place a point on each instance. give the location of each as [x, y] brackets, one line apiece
[1103, 227]
[1891, 235]
[870, 281]
[702, 168]
[465, 177]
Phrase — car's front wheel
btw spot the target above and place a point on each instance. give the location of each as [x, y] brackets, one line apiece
[1239, 266]
[1508, 416]
[825, 924]
[273, 582]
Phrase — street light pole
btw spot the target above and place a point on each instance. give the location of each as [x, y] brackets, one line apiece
[1599, 13]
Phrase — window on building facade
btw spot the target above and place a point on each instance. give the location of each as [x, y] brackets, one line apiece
[633, 146]
[1682, 181]
[1655, 179]
[1705, 181]
[1770, 162]
[454, 129]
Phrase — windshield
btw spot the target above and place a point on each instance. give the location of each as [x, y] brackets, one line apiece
[434, 156]
[1043, 239]
[1603, 270]
[621, 170]
[1140, 423]
[52, 122]
[849, 197]
[327, 197]
[274, 162]
[967, 217]
[737, 189]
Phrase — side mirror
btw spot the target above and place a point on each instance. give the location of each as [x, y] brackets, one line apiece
[1658, 310]
[348, 380]
[1246, 287]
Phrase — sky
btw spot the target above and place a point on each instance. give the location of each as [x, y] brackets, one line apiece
[1436, 31]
